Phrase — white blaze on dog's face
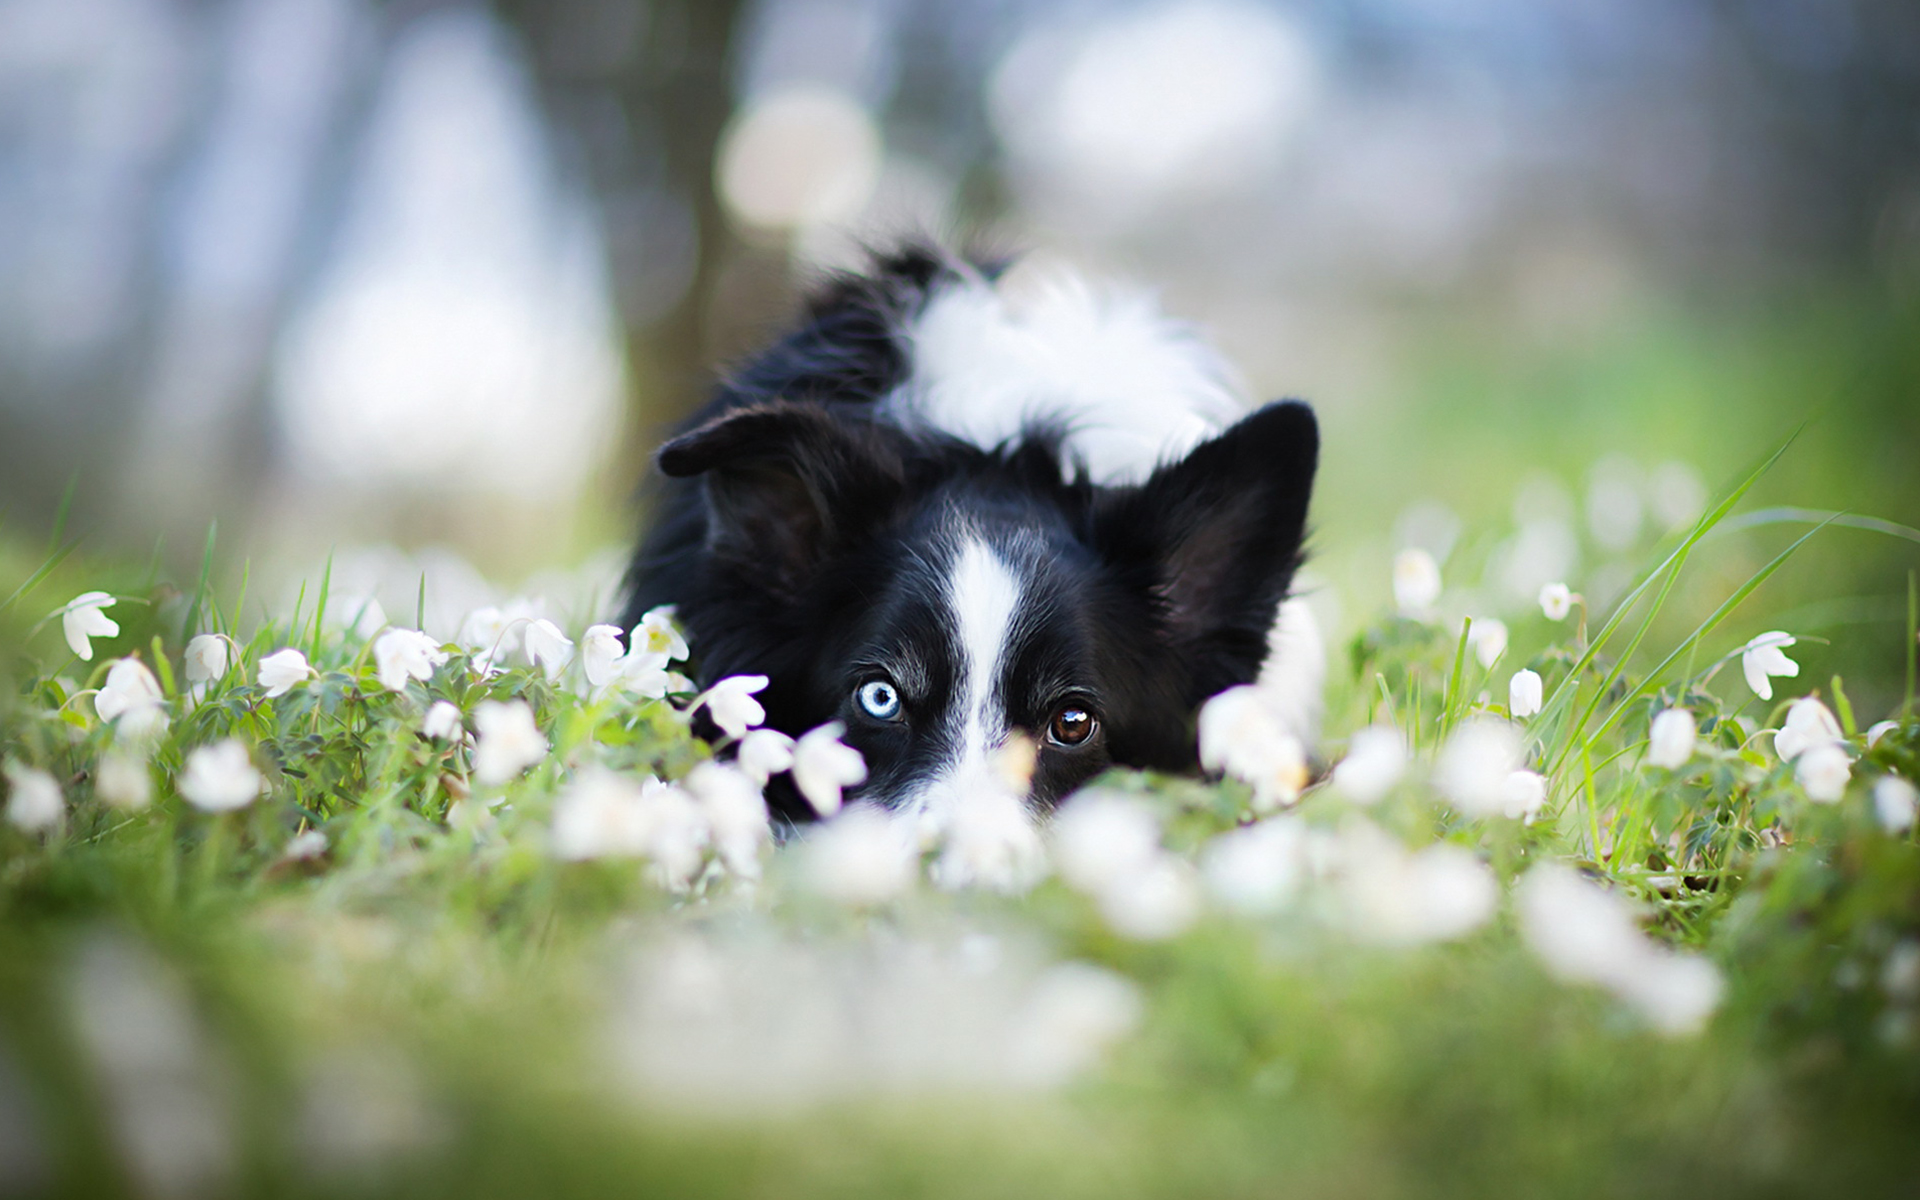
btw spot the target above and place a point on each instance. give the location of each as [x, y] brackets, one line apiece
[985, 597]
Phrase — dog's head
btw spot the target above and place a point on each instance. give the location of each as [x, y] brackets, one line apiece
[936, 597]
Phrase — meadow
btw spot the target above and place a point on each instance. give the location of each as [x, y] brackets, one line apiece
[1593, 890]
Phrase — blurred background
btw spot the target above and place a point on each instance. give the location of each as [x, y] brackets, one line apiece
[435, 276]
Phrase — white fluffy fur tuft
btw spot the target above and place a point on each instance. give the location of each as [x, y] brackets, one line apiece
[1133, 387]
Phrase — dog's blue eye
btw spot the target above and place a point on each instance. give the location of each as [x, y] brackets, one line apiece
[879, 699]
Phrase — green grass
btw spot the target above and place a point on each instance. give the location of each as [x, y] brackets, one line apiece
[467, 995]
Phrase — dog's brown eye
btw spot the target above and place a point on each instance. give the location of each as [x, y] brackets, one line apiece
[1072, 724]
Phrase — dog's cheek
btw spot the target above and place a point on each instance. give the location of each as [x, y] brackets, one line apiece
[1059, 772]
[884, 750]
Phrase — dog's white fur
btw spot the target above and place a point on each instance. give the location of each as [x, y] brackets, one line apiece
[983, 602]
[1133, 388]
[985, 597]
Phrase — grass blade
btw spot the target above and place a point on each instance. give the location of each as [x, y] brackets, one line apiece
[153, 563]
[60, 514]
[320, 609]
[1703, 629]
[1788, 515]
[1452, 696]
[54, 560]
[1563, 695]
[200, 591]
[1573, 728]
[1913, 635]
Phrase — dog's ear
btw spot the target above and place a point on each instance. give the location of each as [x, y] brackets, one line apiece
[786, 482]
[1215, 537]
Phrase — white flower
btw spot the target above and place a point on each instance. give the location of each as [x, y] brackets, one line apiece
[1160, 902]
[131, 699]
[823, 764]
[549, 649]
[490, 633]
[991, 843]
[859, 858]
[507, 741]
[990, 835]
[122, 781]
[656, 634]
[1438, 894]
[646, 675]
[403, 654]
[1376, 758]
[1763, 657]
[600, 815]
[1675, 993]
[282, 670]
[1101, 838]
[764, 753]
[1255, 870]
[1823, 772]
[600, 654]
[1488, 637]
[1457, 891]
[1107, 845]
[208, 656]
[34, 802]
[1556, 601]
[1584, 933]
[1809, 724]
[82, 619]
[1894, 802]
[1525, 693]
[220, 777]
[1416, 582]
[736, 815]
[641, 665]
[731, 704]
[604, 815]
[1473, 767]
[1878, 730]
[1671, 738]
[677, 833]
[304, 846]
[1242, 735]
[1526, 792]
[442, 722]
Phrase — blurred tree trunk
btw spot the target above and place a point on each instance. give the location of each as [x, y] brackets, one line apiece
[672, 90]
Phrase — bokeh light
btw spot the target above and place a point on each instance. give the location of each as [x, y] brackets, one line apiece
[799, 157]
[1183, 98]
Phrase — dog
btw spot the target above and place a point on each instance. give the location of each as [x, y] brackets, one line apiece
[940, 516]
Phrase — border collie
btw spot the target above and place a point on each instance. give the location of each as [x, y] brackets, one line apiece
[940, 514]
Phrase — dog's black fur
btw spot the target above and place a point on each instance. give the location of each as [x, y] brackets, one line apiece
[806, 534]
